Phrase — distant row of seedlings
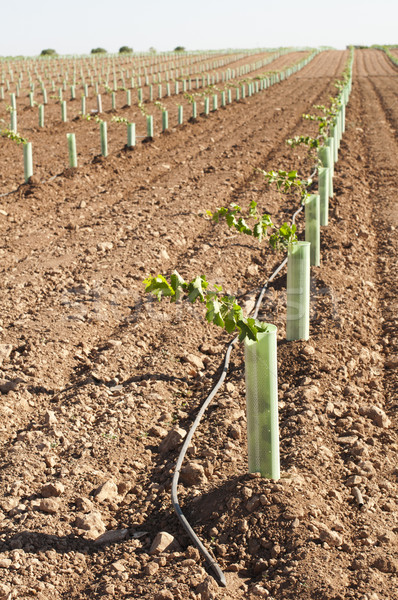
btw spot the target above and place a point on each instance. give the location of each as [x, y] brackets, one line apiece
[112, 75]
[223, 310]
[233, 92]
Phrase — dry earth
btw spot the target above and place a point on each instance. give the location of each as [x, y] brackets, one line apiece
[93, 375]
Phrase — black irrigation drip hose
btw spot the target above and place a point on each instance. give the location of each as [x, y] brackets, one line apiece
[210, 561]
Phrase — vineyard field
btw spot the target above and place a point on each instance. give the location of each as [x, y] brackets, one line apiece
[94, 373]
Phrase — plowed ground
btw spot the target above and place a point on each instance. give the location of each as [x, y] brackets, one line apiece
[98, 374]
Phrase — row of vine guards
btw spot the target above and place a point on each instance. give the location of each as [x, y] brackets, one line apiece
[260, 341]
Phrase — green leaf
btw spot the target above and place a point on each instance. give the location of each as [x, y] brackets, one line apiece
[213, 313]
[196, 289]
[178, 284]
[158, 286]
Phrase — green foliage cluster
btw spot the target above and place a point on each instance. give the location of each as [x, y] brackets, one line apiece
[13, 135]
[48, 52]
[179, 49]
[279, 238]
[222, 310]
[98, 51]
[125, 50]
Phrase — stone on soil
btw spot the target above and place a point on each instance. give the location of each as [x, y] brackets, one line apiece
[164, 542]
[106, 491]
[172, 440]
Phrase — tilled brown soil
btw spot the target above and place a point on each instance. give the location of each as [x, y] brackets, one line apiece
[94, 375]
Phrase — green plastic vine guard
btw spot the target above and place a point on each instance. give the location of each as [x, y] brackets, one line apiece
[323, 184]
[298, 291]
[113, 100]
[13, 117]
[165, 120]
[63, 111]
[72, 150]
[83, 106]
[313, 229]
[207, 104]
[325, 156]
[99, 104]
[130, 134]
[215, 102]
[27, 160]
[104, 138]
[180, 114]
[41, 115]
[149, 126]
[194, 110]
[31, 99]
[262, 404]
[13, 101]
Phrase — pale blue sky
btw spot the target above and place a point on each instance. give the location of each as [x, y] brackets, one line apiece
[77, 26]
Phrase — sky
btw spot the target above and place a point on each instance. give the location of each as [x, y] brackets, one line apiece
[80, 25]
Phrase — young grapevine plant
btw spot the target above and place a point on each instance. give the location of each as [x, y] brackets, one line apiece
[222, 310]
[279, 239]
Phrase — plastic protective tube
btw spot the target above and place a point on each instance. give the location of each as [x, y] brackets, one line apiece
[312, 229]
[323, 184]
[298, 291]
[72, 150]
[130, 134]
[27, 160]
[262, 404]
[104, 138]
[149, 126]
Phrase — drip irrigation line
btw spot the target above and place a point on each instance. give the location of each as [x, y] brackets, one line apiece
[211, 563]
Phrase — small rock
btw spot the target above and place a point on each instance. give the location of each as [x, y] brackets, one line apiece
[5, 351]
[104, 246]
[151, 568]
[84, 504]
[49, 505]
[5, 590]
[195, 361]
[106, 491]
[208, 589]
[259, 590]
[392, 362]
[157, 431]
[385, 564]
[164, 542]
[92, 523]
[377, 415]
[9, 504]
[119, 566]
[354, 480]
[172, 440]
[329, 536]
[164, 254]
[235, 431]
[308, 350]
[192, 474]
[52, 490]
[5, 563]
[112, 536]
[164, 595]
[50, 418]
[10, 386]
[251, 271]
